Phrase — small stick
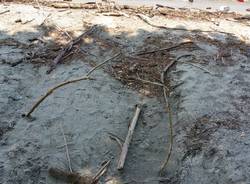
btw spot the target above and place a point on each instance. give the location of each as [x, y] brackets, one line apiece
[204, 69]
[177, 29]
[45, 19]
[100, 172]
[117, 139]
[66, 147]
[150, 82]
[164, 49]
[68, 48]
[73, 5]
[51, 90]
[27, 21]
[3, 12]
[168, 108]
[65, 32]
[128, 138]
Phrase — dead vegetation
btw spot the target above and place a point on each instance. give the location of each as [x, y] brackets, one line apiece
[202, 131]
[142, 70]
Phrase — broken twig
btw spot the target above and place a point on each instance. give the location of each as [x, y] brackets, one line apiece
[3, 12]
[169, 111]
[64, 51]
[149, 82]
[66, 147]
[164, 49]
[128, 138]
[168, 108]
[144, 19]
[197, 66]
[117, 139]
[100, 172]
[51, 90]
[73, 5]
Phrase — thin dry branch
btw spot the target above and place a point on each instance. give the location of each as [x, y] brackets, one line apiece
[65, 32]
[66, 148]
[168, 108]
[164, 49]
[73, 5]
[128, 138]
[51, 90]
[117, 139]
[3, 12]
[100, 172]
[149, 82]
[64, 51]
[169, 111]
[197, 66]
[144, 19]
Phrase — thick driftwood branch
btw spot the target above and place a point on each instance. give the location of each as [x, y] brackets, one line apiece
[128, 138]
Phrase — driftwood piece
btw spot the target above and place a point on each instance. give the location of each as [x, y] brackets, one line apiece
[3, 12]
[128, 138]
[164, 49]
[64, 51]
[66, 148]
[169, 111]
[115, 14]
[100, 172]
[51, 90]
[74, 5]
[145, 19]
[159, 6]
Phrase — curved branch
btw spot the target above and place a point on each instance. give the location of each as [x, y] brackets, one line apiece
[51, 90]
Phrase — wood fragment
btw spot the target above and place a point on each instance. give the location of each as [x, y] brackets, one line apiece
[163, 6]
[197, 66]
[164, 49]
[66, 148]
[65, 32]
[28, 21]
[115, 14]
[51, 90]
[45, 19]
[144, 19]
[3, 12]
[148, 180]
[169, 111]
[73, 5]
[147, 81]
[100, 172]
[64, 51]
[128, 138]
[117, 139]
